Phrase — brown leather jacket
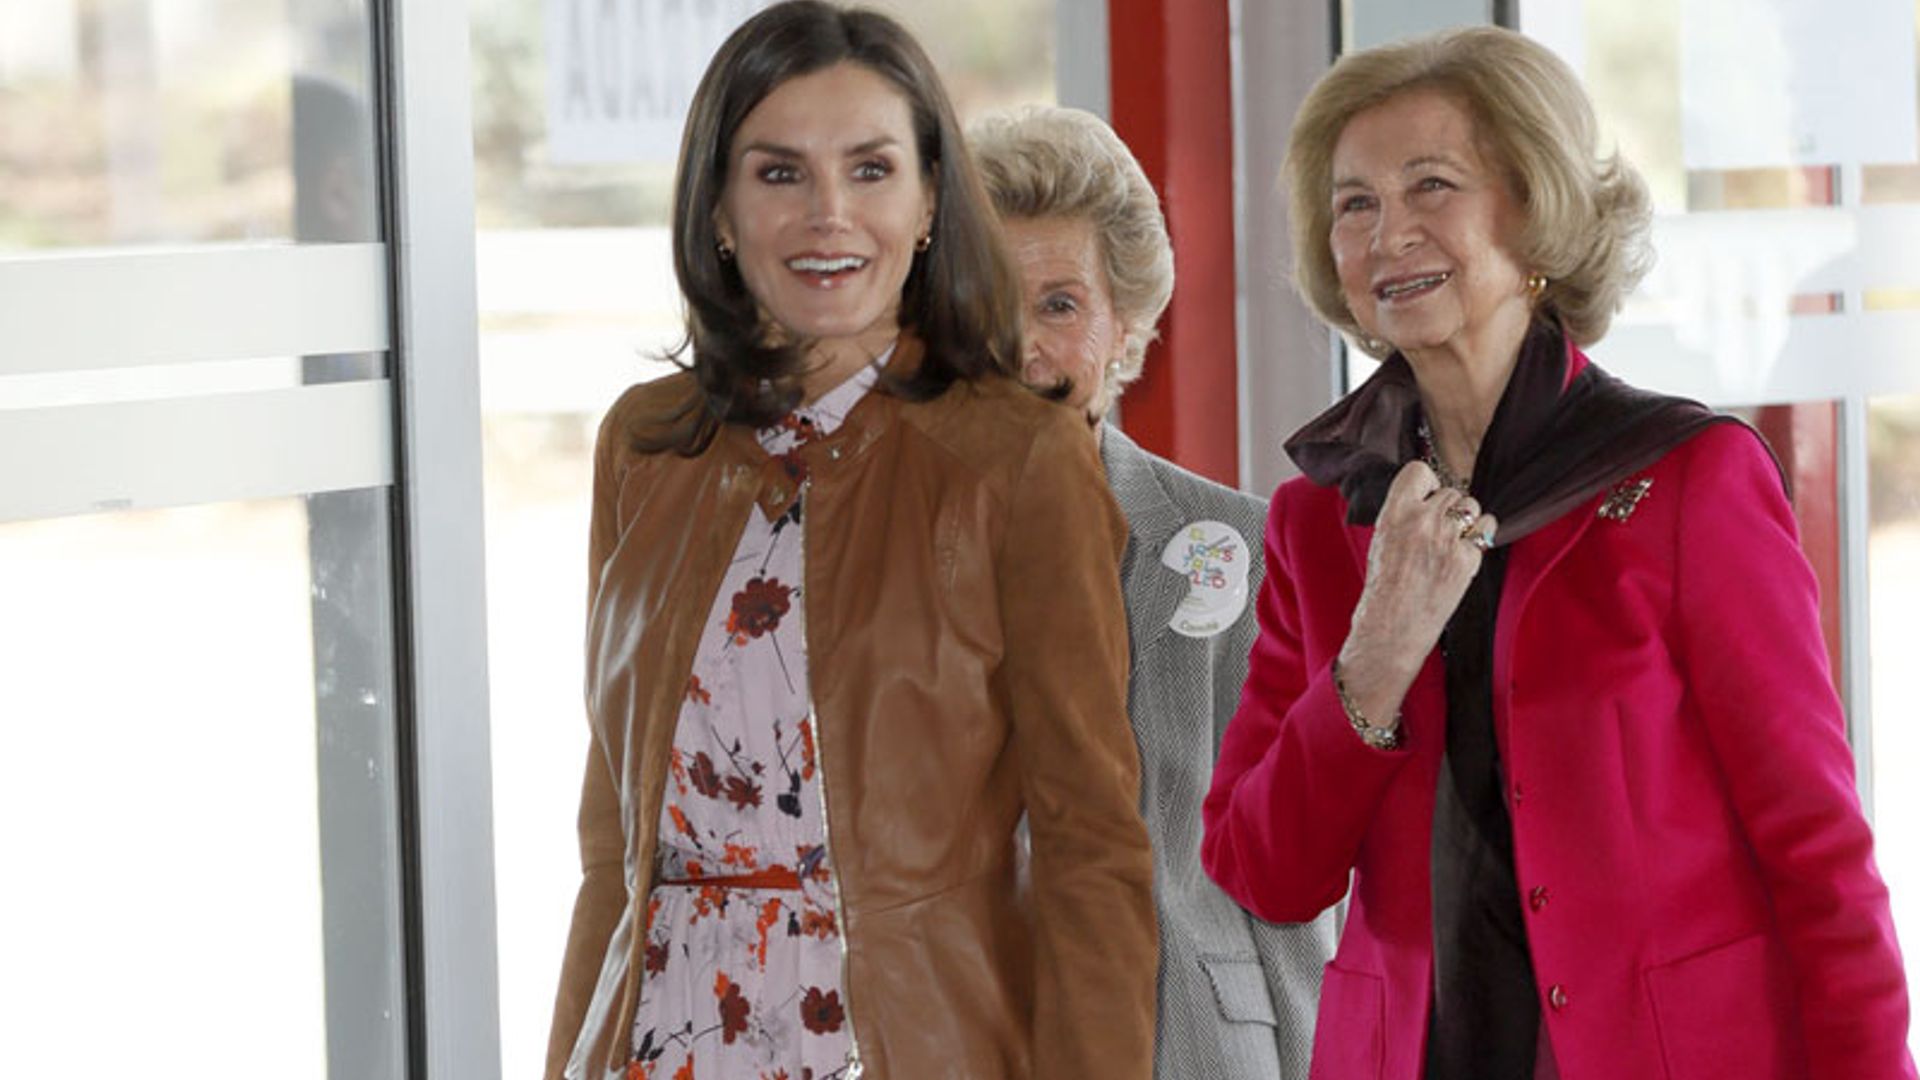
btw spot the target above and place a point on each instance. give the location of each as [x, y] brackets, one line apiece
[968, 649]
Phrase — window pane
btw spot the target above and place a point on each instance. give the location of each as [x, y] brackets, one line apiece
[184, 121]
[197, 798]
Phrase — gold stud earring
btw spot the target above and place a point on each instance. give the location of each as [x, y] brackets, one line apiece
[721, 249]
[1536, 284]
[921, 245]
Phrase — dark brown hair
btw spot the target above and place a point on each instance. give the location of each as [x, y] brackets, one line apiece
[961, 296]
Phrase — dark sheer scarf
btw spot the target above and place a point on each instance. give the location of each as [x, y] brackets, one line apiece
[1553, 444]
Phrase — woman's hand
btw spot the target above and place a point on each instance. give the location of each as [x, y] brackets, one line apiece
[1424, 556]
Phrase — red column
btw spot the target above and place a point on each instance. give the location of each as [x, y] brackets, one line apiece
[1806, 438]
[1171, 89]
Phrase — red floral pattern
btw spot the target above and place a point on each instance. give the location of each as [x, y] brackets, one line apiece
[742, 793]
[758, 608]
[803, 430]
[745, 791]
[733, 1009]
[704, 778]
[821, 1012]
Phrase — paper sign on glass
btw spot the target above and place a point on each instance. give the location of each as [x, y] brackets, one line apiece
[621, 73]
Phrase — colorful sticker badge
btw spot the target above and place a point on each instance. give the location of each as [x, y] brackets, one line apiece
[1215, 559]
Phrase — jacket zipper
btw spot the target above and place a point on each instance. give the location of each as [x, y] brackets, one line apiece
[855, 1070]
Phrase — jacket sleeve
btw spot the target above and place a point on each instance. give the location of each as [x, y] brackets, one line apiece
[596, 908]
[1064, 673]
[1755, 665]
[603, 895]
[1294, 789]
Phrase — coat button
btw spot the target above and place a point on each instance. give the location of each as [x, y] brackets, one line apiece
[833, 452]
[1537, 897]
[1557, 997]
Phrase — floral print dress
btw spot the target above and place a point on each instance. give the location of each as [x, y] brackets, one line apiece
[743, 960]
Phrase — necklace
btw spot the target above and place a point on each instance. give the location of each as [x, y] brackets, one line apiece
[1430, 454]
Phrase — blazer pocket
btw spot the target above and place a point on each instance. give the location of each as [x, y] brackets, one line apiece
[1348, 1038]
[1729, 1011]
[1240, 989]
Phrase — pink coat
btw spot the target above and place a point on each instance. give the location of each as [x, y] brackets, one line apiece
[1695, 871]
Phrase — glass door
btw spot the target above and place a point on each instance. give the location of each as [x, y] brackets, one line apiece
[223, 775]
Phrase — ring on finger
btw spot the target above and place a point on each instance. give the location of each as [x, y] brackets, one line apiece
[1463, 516]
[1480, 538]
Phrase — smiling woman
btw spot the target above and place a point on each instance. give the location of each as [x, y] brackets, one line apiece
[825, 206]
[1420, 214]
[756, 145]
[823, 671]
[1540, 675]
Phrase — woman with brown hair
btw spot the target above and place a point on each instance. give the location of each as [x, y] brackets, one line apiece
[830, 564]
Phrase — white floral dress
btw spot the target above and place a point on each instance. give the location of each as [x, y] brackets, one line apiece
[743, 961]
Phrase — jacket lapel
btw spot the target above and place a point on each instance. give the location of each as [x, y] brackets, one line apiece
[1532, 559]
[1152, 590]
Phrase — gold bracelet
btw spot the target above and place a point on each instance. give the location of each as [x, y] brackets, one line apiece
[1377, 737]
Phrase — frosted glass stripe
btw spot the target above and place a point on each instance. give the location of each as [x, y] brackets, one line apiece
[225, 447]
[83, 312]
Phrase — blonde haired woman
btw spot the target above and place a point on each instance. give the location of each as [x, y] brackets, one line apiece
[1540, 675]
[1236, 995]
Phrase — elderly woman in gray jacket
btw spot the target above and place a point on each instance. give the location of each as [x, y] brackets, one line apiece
[1237, 996]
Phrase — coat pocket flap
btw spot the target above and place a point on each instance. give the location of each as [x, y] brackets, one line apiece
[1240, 989]
[1730, 1010]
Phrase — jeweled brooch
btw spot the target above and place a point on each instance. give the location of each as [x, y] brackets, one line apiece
[1621, 502]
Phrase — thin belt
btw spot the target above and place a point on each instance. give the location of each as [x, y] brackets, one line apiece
[773, 877]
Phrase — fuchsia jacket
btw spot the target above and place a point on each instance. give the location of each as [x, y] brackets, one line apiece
[1696, 872]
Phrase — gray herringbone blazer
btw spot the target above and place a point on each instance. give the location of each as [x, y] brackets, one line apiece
[1237, 996]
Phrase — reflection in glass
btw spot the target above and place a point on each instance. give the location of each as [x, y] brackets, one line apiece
[141, 122]
[198, 806]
